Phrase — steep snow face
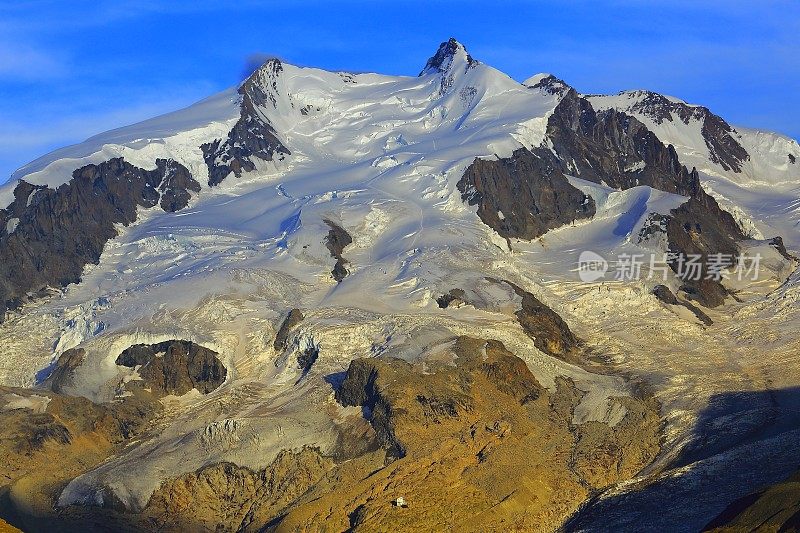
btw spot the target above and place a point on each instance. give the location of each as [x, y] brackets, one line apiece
[177, 135]
[380, 155]
[331, 116]
[693, 131]
[350, 118]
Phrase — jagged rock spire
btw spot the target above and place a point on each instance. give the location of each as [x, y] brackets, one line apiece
[449, 53]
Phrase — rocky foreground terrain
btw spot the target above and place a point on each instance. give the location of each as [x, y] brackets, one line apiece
[325, 301]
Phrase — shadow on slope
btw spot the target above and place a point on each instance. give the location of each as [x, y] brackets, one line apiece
[742, 443]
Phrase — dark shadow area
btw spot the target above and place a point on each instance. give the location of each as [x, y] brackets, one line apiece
[743, 442]
[335, 380]
[630, 218]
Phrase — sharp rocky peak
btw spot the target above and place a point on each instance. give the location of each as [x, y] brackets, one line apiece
[449, 56]
[548, 83]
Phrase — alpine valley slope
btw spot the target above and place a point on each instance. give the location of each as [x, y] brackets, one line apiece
[367, 284]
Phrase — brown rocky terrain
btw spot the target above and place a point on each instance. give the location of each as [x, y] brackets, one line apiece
[547, 329]
[474, 445]
[47, 439]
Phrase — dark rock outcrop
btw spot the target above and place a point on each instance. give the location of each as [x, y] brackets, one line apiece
[551, 85]
[59, 231]
[252, 136]
[723, 148]
[777, 243]
[530, 188]
[61, 374]
[665, 295]
[175, 367]
[175, 186]
[528, 194]
[360, 388]
[441, 60]
[615, 148]
[547, 329]
[454, 298]
[336, 241]
[701, 228]
[294, 318]
[307, 358]
[523, 196]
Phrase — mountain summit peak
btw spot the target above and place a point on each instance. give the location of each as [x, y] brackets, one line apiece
[449, 54]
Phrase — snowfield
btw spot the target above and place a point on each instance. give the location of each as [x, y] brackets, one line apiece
[380, 156]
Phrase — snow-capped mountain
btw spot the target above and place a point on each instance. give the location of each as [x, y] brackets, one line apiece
[322, 276]
[753, 173]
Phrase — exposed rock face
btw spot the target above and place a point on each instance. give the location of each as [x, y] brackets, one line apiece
[453, 298]
[528, 194]
[614, 148]
[551, 85]
[294, 318]
[252, 137]
[61, 375]
[462, 428]
[59, 231]
[307, 358]
[443, 58]
[777, 243]
[232, 498]
[547, 329]
[665, 295]
[700, 227]
[175, 367]
[360, 388]
[175, 186]
[523, 196]
[723, 148]
[336, 241]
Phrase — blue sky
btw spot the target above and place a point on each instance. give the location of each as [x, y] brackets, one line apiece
[70, 69]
